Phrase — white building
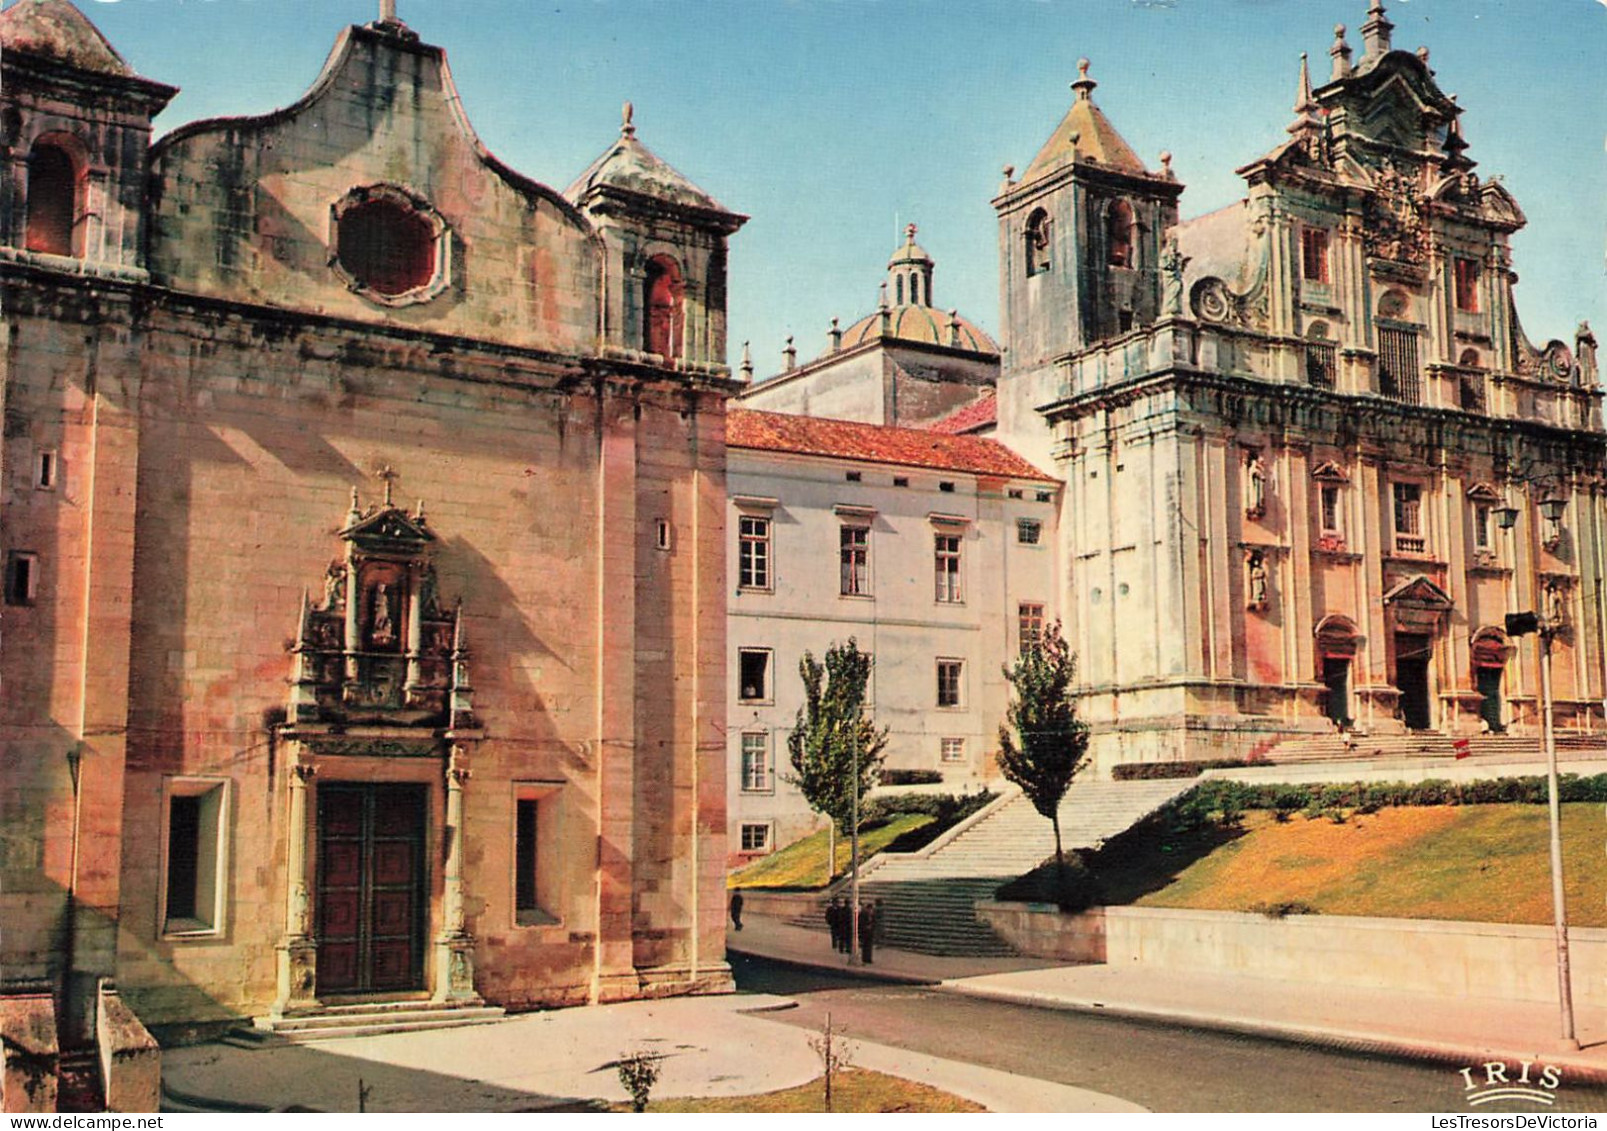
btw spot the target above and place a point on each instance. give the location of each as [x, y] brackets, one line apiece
[935, 552]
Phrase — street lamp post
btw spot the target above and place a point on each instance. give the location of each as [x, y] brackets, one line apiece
[1546, 627]
[853, 856]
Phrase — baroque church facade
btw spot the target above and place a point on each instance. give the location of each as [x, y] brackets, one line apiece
[1311, 457]
[363, 545]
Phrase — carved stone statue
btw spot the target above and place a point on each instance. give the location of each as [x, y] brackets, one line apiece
[335, 587]
[1172, 263]
[1255, 488]
[382, 629]
[1257, 582]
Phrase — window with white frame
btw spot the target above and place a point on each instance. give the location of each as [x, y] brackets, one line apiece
[854, 558]
[1408, 499]
[1029, 531]
[946, 562]
[951, 750]
[753, 675]
[1029, 621]
[194, 828]
[755, 837]
[756, 762]
[753, 551]
[950, 674]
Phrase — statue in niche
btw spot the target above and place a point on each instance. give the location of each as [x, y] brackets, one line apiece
[335, 587]
[428, 601]
[1556, 605]
[1255, 488]
[1172, 263]
[382, 629]
[1257, 581]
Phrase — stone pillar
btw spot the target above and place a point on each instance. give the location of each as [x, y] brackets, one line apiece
[298, 952]
[353, 601]
[415, 633]
[454, 947]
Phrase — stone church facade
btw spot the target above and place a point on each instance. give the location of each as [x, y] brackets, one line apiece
[1311, 457]
[363, 541]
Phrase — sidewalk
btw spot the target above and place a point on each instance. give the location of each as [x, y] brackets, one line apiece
[1458, 1031]
[712, 1046]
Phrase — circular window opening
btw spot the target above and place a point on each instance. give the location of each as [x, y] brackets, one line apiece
[387, 247]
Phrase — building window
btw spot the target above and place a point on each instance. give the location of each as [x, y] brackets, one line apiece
[386, 246]
[1045, 497]
[1330, 509]
[535, 846]
[1119, 231]
[53, 200]
[951, 750]
[946, 557]
[1040, 235]
[1397, 365]
[753, 552]
[662, 534]
[1029, 531]
[949, 675]
[1467, 284]
[755, 838]
[855, 559]
[22, 578]
[1314, 255]
[45, 471]
[1481, 526]
[1322, 358]
[901, 480]
[193, 867]
[664, 318]
[1029, 619]
[753, 675]
[756, 762]
[1409, 518]
[946, 486]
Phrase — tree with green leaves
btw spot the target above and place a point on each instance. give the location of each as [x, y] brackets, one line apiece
[832, 732]
[1042, 743]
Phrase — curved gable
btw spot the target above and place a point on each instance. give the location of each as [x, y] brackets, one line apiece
[249, 208]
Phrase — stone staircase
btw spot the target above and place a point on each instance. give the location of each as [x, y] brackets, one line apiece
[928, 897]
[370, 1019]
[1487, 747]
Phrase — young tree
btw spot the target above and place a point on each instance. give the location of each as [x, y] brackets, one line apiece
[1048, 743]
[830, 724]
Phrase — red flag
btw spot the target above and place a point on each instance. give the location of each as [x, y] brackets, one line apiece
[1463, 747]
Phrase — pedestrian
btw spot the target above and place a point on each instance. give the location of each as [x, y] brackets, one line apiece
[834, 923]
[736, 909]
[867, 932]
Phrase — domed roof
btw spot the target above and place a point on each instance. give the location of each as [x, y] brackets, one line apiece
[912, 323]
[56, 29]
[631, 166]
[910, 251]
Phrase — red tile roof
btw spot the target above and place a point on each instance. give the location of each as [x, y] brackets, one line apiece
[981, 413]
[875, 443]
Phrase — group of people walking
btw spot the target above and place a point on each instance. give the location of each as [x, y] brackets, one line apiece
[840, 920]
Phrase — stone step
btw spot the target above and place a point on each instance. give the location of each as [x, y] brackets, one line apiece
[371, 1019]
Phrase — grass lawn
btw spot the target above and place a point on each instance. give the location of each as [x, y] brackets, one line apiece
[1482, 863]
[802, 864]
[853, 1090]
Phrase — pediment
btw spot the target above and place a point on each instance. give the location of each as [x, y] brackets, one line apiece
[1484, 493]
[1330, 472]
[1419, 592]
[389, 524]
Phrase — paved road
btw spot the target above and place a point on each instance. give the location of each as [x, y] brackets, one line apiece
[1163, 1067]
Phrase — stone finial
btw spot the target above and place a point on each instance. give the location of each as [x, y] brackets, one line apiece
[836, 334]
[1009, 176]
[1375, 33]
[418, 513]
[627, 124]
[954, 327]
[746, 368]
[387, 12]
[789, 356]
[1306, 120]
[1084, 86]
[1341, 53]
[1422, 55]
[1166, 165]
[881, 301]
[909, 233]
[356, 511]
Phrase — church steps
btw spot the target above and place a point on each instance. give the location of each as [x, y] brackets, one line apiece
[372, 1019]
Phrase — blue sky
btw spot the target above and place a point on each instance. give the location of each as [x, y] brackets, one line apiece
[834, 122]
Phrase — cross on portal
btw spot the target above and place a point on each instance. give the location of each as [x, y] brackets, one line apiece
[388, 475]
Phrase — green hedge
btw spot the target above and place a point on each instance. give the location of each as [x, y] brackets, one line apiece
[910, 777]
[948, 808]
[1154, 771]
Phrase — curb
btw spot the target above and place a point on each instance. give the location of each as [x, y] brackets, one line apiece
[857, 972]
[1349, 1040]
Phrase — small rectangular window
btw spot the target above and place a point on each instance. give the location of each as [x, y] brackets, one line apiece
[755, 762]
[45, 471]
[946, 487]
[192, 900]
[1481, 526]
[901, 480]
[1029, 620]
[1314, 255]
[1029, 531]
[755, 838]
[951, 750]
[22, 578]
[949, 674]
[1046, 496]
[535, 850]
[753, 674]
[946, 563]
[753, 552]
[1330, 508]
[854, 560]
[854, 476]
[1408, 499]
[1014, 493]
[1467, 284]
[663, 534]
